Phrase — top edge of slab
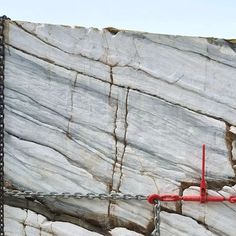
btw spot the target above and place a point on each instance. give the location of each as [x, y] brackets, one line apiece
[114, 31]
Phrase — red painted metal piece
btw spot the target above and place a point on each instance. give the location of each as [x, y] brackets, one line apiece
[203, 197]
[203, 185]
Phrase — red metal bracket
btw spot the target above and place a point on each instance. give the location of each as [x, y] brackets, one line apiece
[203, 197]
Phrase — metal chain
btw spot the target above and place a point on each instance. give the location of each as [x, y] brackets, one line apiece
[77, 195]
[2, 60]
[90, 196]
[157, 218]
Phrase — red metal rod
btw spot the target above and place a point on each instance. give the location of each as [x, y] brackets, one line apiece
[203, 185]
[192, 198]
[203, 161]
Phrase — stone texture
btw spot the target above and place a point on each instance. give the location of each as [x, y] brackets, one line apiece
[233, 138]
[218, 217]
[21, 222]
[92, 111]
[173, 224]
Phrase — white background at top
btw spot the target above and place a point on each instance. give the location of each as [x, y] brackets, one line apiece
[211, 18]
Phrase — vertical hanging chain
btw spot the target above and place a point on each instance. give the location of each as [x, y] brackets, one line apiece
[157, 211]
[2, 58]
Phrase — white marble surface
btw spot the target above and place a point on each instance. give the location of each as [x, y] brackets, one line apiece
[173, 224]
[90, 111]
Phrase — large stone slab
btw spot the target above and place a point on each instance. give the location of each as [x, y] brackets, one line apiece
[91, 111]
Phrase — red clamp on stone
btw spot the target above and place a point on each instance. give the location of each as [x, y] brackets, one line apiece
[166, 198]
[203, 197]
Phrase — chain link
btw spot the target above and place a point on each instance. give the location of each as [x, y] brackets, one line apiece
[90, 196]
[76, 195]
[157, 218]
[2, 59]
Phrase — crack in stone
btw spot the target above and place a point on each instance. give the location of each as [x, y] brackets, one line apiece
[116, 157]
[111, 81]
[229, 138]
[68, 134]
[117, 161]
[24, 223]
[179, 204]
[125, 139]
[115, 139]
